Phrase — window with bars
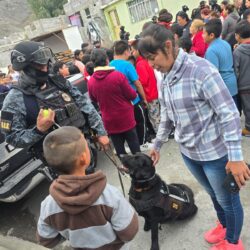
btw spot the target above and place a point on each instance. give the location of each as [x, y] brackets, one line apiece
[142, 9]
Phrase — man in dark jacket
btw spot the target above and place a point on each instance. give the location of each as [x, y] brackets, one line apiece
[228, 28]
[184, 21]
[241, 65]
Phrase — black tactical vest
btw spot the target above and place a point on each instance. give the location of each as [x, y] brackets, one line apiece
[67, 112]
[170, 199]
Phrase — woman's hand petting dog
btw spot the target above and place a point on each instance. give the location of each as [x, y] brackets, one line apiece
[155, 156]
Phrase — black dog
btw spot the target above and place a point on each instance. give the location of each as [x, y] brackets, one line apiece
[153, 199]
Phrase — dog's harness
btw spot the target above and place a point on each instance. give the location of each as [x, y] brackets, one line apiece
[171, 199]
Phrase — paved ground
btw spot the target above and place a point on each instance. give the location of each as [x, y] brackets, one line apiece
[19, 219]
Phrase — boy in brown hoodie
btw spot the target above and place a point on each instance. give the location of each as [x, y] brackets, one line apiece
[82, 208]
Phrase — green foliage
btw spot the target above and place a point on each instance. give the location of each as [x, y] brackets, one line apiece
[47, 8]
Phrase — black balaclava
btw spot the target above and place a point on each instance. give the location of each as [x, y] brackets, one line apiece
[40, 77]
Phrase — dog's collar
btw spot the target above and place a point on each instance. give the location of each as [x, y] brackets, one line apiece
[143, 181]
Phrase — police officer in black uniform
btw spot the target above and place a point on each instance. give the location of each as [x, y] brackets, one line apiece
[41, 102]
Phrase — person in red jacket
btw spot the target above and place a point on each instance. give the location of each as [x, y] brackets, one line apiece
[111, 90]
[148, 80]
[199, 46]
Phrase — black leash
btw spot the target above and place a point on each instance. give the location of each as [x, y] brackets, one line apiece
[113, 160]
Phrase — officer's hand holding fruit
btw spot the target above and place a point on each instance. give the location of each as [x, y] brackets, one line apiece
[45, 120]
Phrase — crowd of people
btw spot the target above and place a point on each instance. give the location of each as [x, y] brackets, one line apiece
[215, 32]
[7, 80]
[188, 77]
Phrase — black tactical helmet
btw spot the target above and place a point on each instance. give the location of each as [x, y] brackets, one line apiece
[28, 52]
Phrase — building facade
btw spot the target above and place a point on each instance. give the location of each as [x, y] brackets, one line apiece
[134, 13]
[89, 17]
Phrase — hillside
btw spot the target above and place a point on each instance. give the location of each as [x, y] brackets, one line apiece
[14, 15]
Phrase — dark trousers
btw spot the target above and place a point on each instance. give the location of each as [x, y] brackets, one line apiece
[130, 137]
[245, 104]
[140, 123]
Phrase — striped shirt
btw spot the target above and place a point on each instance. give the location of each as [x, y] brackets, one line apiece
[88, 212]
[194, 97]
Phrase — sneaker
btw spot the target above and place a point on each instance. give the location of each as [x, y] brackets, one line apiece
[146, 146]
[171, 135]
[245, 132]
[164, 141]
[127, 149]
[153, 140]
[225, 245]
[216, 234]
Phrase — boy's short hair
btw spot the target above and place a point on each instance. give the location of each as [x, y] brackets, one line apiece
[86, 58]
[243, 29]
[90, 68]
[77, 53]
[214, 26]
[62, 147]
[73, 69]
[99, 57]
[177, 29]
[185, 43]
[120, 47]
[57, 65]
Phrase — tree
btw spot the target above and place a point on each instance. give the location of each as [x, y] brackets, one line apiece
[47, 8]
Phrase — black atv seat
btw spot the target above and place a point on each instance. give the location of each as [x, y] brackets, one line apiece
[11, 160]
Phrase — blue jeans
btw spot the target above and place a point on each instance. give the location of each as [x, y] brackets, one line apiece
[211, 174]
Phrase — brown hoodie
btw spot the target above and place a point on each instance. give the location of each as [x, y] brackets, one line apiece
[88, 212]
[75, 194]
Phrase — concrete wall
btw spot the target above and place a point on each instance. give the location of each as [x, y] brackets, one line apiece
[5, 58]
[56, 43]
[172, 6]
[45, 26]
[97, 17]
